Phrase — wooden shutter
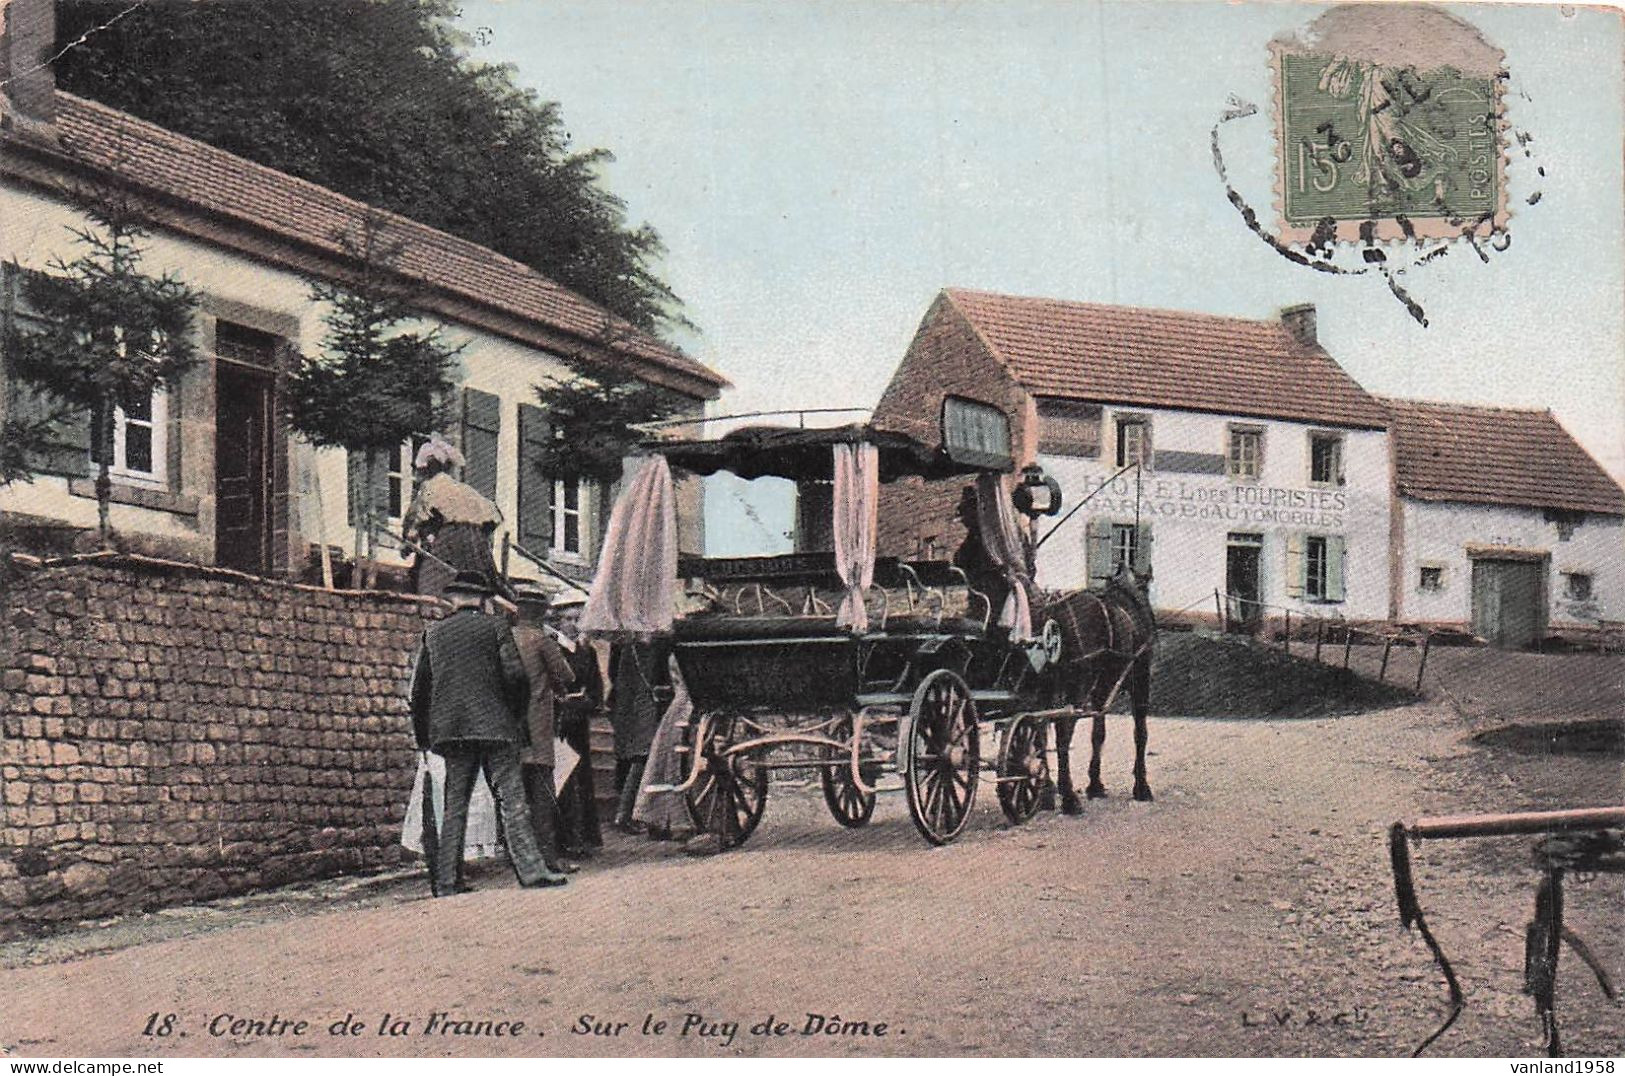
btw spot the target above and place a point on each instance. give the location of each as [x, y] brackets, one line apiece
[1335, 575]
[1098, 550]
[535, 488]
[355, 474]
[1142, 549]
[66, 448]
[601, 495]
[482, 425]
[1296, 564]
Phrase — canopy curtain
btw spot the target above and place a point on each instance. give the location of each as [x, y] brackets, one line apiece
[857, 504]
[633, 589]
[996, 526]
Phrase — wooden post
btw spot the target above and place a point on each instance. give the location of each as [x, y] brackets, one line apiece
[1320, 632]
[507, 542]
[1348, 641]
[1387, 645]
[1287, 635]
[1427, 643]
[1218, 611]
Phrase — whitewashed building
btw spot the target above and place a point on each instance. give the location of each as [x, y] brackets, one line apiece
[1262, 483]
[208, 472]
[1504, 526]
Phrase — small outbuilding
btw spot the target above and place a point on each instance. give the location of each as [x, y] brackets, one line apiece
[1503, 525]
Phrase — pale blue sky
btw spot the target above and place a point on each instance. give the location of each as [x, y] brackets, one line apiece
[820, 170]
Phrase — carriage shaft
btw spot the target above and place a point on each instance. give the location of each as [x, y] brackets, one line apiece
[1502, 825]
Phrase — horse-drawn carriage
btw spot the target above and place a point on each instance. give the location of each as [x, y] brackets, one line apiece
[857, 666]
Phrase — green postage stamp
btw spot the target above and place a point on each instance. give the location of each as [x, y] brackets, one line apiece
[1389, 126]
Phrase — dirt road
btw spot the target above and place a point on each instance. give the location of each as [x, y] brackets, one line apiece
[1247, 911]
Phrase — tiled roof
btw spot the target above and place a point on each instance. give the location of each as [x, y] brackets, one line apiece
[1495, 455]
[294, 209]
[1166, 358]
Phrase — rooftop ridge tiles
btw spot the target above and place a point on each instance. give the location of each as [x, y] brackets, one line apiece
[225, 172]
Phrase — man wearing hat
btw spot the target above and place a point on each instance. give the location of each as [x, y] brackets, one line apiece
[579, 832]
[469, 693]
[550, 679]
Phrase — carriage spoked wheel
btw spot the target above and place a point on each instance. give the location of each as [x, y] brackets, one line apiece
[941, 756]
[1023, 767]
[851, 806]
[728, 799]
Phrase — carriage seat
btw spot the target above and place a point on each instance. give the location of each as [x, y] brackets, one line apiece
[803, 590]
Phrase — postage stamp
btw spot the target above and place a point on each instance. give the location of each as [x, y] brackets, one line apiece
[1389, 126]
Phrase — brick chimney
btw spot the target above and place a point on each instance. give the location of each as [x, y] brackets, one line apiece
[1300, 322]
[27, 83]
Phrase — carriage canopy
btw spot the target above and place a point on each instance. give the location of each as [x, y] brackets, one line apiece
[633, 590]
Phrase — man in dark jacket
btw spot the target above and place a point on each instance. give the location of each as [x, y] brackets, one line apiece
[469, 696]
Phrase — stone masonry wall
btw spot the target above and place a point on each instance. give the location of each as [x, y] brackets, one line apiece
[172, 733]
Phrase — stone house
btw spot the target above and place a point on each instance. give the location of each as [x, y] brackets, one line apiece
[208, 472]
[1232, 456]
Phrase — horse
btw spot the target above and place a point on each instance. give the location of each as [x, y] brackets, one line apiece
[1106, 644]
[1107, 638]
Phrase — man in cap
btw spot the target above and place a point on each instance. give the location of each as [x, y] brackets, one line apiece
[469, 693]
[550, 679]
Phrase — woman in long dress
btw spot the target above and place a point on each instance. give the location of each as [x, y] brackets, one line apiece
[452, 521]
[659, 805]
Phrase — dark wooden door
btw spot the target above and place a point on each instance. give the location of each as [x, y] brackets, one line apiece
[242, 475]
[1509, 601]
[1241, 583]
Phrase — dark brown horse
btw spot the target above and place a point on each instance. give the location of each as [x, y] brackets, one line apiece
[1106, 645]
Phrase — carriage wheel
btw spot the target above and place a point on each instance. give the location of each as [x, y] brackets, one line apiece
[730, 796]
[851, 806]
[941, 756]
[1023, 767]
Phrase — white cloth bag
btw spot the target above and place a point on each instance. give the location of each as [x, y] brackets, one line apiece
[480, 840]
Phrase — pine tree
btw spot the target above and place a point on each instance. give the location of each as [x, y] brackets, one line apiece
[598, 413]
[105, 334]
[375, 384]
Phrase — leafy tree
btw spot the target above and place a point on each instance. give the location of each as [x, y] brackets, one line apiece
[379, 100]
[375, 384]
[105, 334]
[598, 413]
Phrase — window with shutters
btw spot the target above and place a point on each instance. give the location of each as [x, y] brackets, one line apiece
[1315, 568]
[1110, 544]
[140, 443]
[1134, 441]
[1245, 459]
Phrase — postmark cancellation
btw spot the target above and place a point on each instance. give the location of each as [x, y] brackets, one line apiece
[1389, 125]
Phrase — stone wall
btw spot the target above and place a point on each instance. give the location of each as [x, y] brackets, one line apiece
[920, 519]
[171, 733]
